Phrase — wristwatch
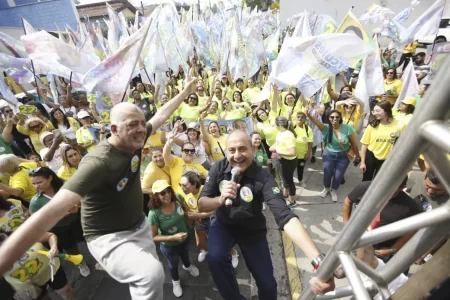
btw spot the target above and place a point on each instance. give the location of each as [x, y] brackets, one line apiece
[316, 261]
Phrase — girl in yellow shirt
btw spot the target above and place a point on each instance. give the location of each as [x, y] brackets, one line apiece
[392, 87]
[378, 139]
[303, 145]
[232, 111]
[351, 109]
[285, 149]
[405, 112]
[189, 112]
[33, 127]
[71, 158]
[19, 182]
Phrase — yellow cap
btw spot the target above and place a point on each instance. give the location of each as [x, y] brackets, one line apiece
[159, 186]
[146, 146]
[410, 100]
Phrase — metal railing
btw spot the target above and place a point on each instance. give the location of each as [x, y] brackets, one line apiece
[428, 133]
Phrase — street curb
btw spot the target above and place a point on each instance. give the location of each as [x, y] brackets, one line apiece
[291, 266]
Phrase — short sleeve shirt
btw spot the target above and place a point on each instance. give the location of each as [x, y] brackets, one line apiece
[244, 218]
[285, 141]
[21, 180]
[5, 147]
[419, 192]
[168, 224]
[380, 140]
[335, 145]
[13, 218]
[304, 137]
[40, 200]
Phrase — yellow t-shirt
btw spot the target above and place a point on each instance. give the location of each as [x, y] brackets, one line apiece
[30, 165]
[202, 100]
[381, 139]
[34, 136]
[153, 173]
[188, 113]
[211, 117]
[355, 117]
[230, 93]
[285, 141]
[65, 173]
[237, 113]
[191, 200]
[392, 88]
[215, 144]
[154, 141]
[286, 109]
[84, 136]
[179, 167]
[302, 140]
[21, 180]
[31, 268]
[268, 131]
[403, 118]
[250, 93]
[13, 218]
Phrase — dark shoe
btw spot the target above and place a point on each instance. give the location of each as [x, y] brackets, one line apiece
[343, 181]
[292, 204]
[313, 159]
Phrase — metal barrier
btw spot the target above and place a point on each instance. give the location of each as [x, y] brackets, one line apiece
[428, 133]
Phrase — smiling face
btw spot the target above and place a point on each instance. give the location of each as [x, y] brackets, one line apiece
[165, 196]
[349, 108]
[136, 95]
[256, 140]
[227, 105]
[213, 128]
[218, 93]
[193, 100]
[240, 84]
[164, 99]
[250, 83]
[290, 100]
[140, 87]
[213, 108]
[41, 183]
[192, 134]
[86, 121]
[36, 127]
[157, 158]
[188, 153]
[58, 115]
[379, 113]
[131, 132]
[239, 150]
[237, 97]
[262, 115]
[390, 74]
[334, 119]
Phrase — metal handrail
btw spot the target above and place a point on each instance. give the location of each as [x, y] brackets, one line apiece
[414, 141]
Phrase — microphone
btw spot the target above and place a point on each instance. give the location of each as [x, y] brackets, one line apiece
[235, 178]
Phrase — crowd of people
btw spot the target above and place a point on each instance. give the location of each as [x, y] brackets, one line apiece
[188, 149]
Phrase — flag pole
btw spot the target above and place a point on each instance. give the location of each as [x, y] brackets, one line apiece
[32, 66]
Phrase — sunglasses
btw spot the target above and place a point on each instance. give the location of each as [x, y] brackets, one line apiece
[226, 103]
[35, 126]
[7, 111]
[34, 171]
[183, 185]
[189, 151]
[348, 106]
[335, 117]
[390, 72]
[192, 98]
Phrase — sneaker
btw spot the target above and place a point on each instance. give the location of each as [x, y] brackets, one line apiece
[324, 193]
[264, 206]
[303, 184]
[291, 204]
[177, 290]
[334, 196]
[235, 260]
[84, 269]
[202, 255]
[313, 159]
[192, 270]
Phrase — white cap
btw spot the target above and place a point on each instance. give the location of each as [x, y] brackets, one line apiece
[83, 114]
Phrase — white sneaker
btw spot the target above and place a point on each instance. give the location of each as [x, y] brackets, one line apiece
[192, 270]
[303, 184]
[264, 206]
[177, 290]
[235, 260]
[84, 269]
[324, 193]
[334, 196]
[202, 255]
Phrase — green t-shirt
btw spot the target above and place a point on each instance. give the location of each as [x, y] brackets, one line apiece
[5, 147]
[168, 224]
[260, 157]
[334, 146]
[40, 200]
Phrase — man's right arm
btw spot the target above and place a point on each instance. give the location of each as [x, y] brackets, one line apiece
[37, 225]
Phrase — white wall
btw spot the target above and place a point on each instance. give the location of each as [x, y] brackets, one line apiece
[337, 9]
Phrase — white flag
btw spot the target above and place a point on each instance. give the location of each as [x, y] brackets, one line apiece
[427, 24]
[6, 93]
[410, 85]
[375, 14]
[114, 73]
[308, 62]
[302, 29]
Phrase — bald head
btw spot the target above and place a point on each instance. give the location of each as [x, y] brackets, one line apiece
[120, 111]
[239, 135]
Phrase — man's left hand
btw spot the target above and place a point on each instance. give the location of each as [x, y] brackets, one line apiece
[320, 286]
[383, 252]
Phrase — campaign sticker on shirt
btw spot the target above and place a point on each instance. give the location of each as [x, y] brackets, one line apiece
[276, 190]
[134, 163]
[246, 194]
[121, 185]
[304, 139]
[192, 202]
[260, 158]
[221, 184]
[180, 211]
[172, 230]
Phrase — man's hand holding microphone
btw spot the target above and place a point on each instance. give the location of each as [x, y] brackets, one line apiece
[230, 189]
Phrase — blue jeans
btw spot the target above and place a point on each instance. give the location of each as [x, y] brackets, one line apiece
[173, 255]
[334, 166]
[257, 258]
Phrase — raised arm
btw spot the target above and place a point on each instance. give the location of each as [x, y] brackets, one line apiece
[203, 133]
[330, 91]
[169, 108]
[275, 98]
[46, 101]
[316, 122]
[7, 130]
[167, 155]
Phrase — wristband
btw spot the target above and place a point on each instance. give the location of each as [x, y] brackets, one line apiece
[316, 261]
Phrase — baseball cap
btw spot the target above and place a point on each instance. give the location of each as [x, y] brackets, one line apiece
[410, 100]
[82, 114]
[160, 185]
[193, 125]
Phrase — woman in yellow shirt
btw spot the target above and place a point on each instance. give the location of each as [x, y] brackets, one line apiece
[71, 158]
[405, 112]
[85, 137]
[232, 111]
[20, 185]
[66, 125]
[392, 87]
[33, 127]
[285, 149]
[212, 112]
[189, 112]
[214, 138]
[378, 139]
[303, 145]
[351, 109]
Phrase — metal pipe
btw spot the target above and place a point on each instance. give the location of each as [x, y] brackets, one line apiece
[347, 291]
[353, 277]
[371, 273]
[437, 132]
[405, 226]
[421, 242]
[407, 149]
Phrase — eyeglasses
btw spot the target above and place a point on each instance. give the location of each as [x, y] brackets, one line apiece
[7, 111]
[189, 151]
[192, 98]
[390, 72]
[348, 106]
[183, 185]
[335, 117]
[34, 171]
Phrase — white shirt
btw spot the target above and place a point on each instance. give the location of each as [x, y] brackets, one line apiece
[56, 162]
[67, 132]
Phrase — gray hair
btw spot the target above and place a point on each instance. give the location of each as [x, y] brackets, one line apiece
[8, 162]
[119, 112]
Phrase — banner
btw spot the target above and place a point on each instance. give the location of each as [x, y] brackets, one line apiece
[324, 25]
[375, 14]
[7, 94]
[307, 63]
[244, 124]
[410, 86]
[351, 25]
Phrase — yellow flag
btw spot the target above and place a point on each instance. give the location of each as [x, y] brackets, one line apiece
[350, 24]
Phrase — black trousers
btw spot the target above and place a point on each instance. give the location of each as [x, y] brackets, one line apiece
[300, 168]
[373, 165]
[405, 58]
[287, 173]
